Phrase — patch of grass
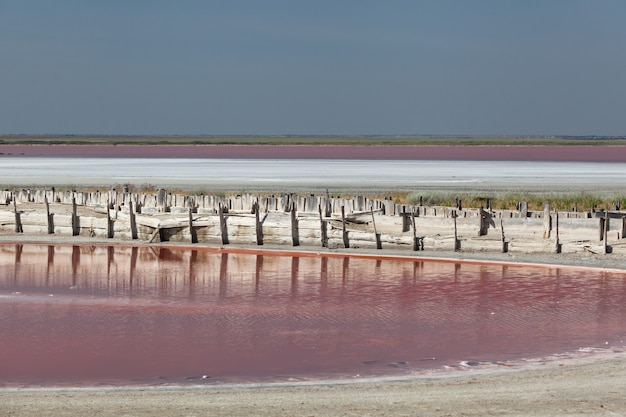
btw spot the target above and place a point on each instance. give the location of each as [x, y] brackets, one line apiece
[509, 201]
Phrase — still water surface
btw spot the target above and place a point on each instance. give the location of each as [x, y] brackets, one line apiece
[154, 315]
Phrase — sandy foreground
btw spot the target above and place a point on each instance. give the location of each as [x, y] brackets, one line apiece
[591, 387]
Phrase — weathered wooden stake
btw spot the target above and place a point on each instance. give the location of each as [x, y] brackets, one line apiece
[346, 240]
[607, 247]
[623, 227]
[223, 227]
[192, 229]
[133, 222]
[418, 242]
[162, 200]
[324, 231]
[18, 218]
[75, 219]
[50, 217]
[602, 227]
[295, 235]
[406, 221]
[327, 205]
[547, 221]
[558, 247]
[109, 221]
[457, 242]
[379, 244]
[523, 209]
[259, 226]
[505, 244]
[485, 221]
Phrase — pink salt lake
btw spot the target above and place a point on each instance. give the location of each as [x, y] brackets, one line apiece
[119, 315]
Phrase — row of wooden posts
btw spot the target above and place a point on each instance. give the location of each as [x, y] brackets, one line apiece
[408, 222]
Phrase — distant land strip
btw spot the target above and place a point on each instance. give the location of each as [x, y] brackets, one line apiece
[361, 140]
[490, 152]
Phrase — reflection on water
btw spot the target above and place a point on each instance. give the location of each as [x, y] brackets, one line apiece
[111, 314]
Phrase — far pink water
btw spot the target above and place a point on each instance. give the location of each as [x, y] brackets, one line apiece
[89, 315]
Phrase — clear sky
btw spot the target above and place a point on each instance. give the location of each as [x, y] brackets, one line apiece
[240, 67]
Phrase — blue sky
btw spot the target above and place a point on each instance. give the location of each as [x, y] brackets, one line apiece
[240, 67]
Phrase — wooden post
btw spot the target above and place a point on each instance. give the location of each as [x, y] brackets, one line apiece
[406, 221]
[623, 227]
[523, 209]
[259, 226]
[602, 227]
[75, 219]
[558, 246]
[223, 227]
[327, 205]
[133, 222]
[346, 240]
[607, 247]
[547, 221]
[18, 218]
[192, 230]
[50, 217]
[324, 231]
[485, 221]
[505, 244]
[162, 200]
[379, 244]
[457, 242]
[295, 235]
[109, 221]
[418, 243]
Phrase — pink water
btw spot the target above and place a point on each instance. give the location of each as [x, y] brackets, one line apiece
[88, 315]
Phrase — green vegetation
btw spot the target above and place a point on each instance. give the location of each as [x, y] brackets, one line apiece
[311, 140]
[508, 201]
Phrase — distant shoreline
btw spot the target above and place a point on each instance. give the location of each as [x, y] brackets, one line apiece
[564, 153]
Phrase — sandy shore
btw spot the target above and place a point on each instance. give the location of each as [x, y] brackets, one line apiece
[591, 386]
